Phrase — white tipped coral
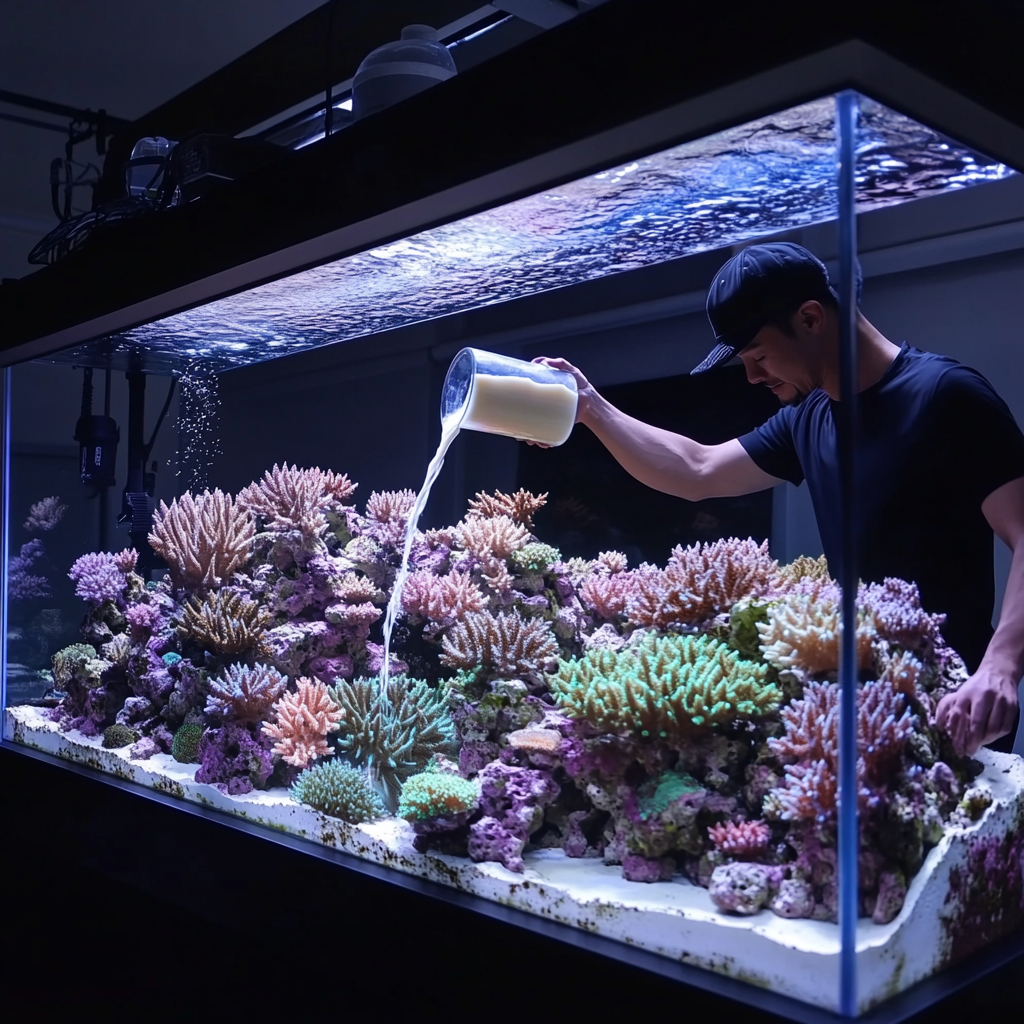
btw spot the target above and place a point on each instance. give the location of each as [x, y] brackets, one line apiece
[495, 537]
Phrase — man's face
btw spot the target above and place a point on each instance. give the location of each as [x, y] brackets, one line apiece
[785, 363]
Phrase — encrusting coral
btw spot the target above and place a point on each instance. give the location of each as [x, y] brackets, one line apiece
[301, 722]
[663, 687]
[674, 721]
[223, 621]
[203, 539]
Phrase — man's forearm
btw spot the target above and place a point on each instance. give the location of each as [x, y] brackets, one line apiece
[1005, 653]
[658, 458]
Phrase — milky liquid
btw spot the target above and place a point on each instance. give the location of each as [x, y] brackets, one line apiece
[449, 431]
[521, 407]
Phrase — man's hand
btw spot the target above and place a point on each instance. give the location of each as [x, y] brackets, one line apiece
[584, 389]
[982, 710]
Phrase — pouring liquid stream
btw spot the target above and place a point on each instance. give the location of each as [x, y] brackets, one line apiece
[449, 431]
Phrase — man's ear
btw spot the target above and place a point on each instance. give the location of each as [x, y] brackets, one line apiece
[810, 316]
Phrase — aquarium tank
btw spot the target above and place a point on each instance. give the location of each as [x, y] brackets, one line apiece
[623, 719]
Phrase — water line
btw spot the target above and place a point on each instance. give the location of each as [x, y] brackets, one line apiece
[846, 130]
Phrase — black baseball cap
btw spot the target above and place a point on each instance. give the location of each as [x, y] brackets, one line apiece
[756, 285]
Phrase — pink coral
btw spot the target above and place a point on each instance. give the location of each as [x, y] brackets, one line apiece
[743, 840]
[389, 512]
[442, 599]
[607, 596]
[519, 507]
[97, 578]
[125, 560]
[292, 499]
[700, 582]
[302, 721]
[143, 618]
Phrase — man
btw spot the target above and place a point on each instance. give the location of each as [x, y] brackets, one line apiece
[940, 463]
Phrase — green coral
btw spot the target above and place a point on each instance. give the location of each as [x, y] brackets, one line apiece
[435, 794]
[655, 795]
[72, 662]
[185, 747]
[743, 634]
[664, 686]
[115, 736]
[535, 557]
[393, 735]
[339, 790]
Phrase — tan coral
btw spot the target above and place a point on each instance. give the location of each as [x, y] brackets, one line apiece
[203, 539]
[901, 671]
[611, 562]
[356, 589]
[302, 721]
[802, 568]
[289, 498]
[804, 633]
[224, 621]
[442, 599]
[700, 582]
[519, 507]
[494, 572]
[497, 536]
[506, 643]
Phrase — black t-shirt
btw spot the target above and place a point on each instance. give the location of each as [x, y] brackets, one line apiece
[935, 442]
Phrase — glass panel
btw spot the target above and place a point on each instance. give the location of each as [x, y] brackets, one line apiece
[763, 177]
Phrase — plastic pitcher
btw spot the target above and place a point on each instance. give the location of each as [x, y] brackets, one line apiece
[500, 395]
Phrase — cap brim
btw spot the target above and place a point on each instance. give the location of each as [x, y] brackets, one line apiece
[716, 357]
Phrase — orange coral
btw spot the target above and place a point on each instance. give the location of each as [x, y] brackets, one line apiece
[203, 539]
[302, 722]
[700, 582]
[519, 507]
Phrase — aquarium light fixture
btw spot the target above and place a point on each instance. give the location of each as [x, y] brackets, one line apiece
[767, 176]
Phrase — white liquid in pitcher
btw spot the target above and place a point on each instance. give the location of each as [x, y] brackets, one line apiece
[520, 407]
[449, 431]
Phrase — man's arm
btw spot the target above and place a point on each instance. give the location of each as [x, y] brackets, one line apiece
[660, 459]
[985, 707]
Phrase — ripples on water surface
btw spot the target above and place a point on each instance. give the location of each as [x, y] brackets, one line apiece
[766, 176]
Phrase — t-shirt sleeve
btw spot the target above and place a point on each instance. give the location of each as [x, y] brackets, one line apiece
[772, 448]
[984, 444]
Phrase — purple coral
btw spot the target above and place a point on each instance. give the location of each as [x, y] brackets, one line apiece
[97, 578]
[143, 619]
[244, 693]
[899, 617]
[23, 585]
[512, 800]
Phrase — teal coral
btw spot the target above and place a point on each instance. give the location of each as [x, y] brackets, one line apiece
[394, 735]
[185, 747]
[437, 795]
[657, 794]
[663, 687]
[535, 557]
[339, 790]
[116, 736]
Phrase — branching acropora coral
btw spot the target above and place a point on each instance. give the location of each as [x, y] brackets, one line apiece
[606, 597]
[339, 790]
[97, 578]
[45, 514]
[505, 643]
[700, 582]
[289, 498]
[244, 693]
[224, 621]
[895, 607]
[437, 795]
[393, 735]
[802, 568]
[301, 722]
[611, 562]
[663, 687]
[442, 599]
[204, 539]
[497, 536]
[740, 839]
[390, 511]
[803, 632]
[519, 507]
